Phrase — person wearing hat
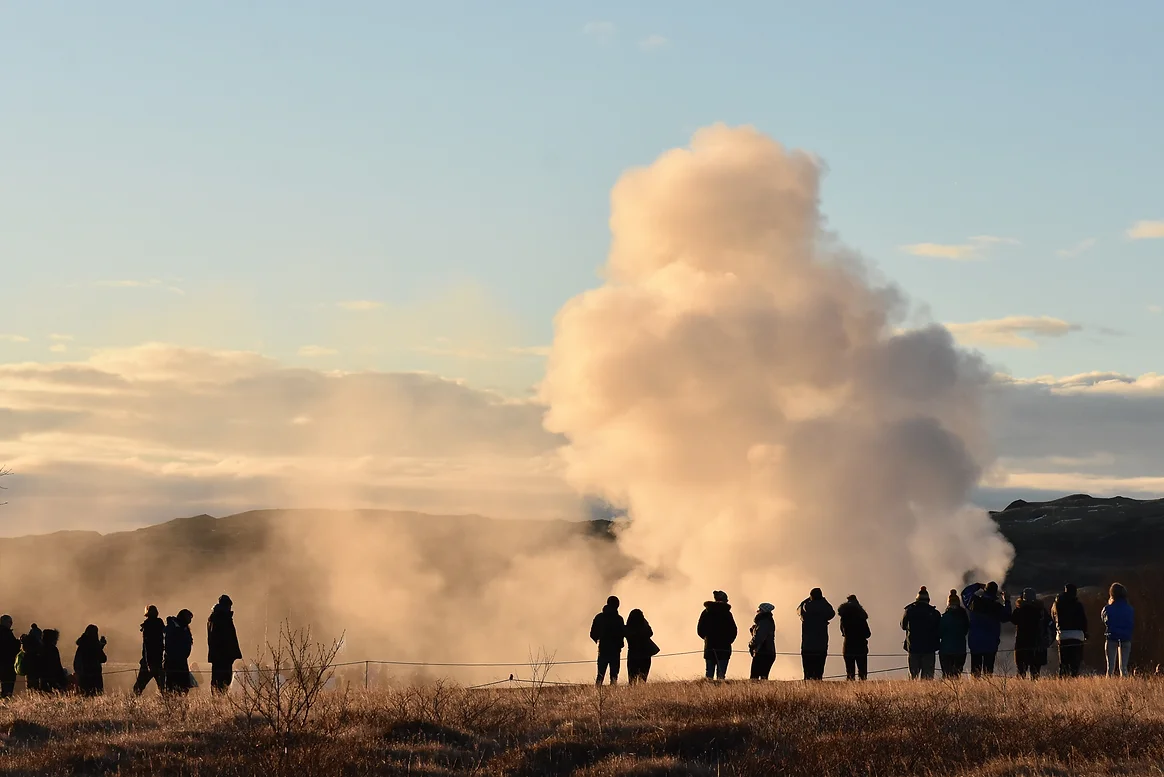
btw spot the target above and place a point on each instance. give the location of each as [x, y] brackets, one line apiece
[153, 646]
[762, 646]
[717, 628]
[955, 627]
[1030, 634]
[855, 630]
[922, 624]
[222, 646]
[815, 613]
[1070, 619]
[607, 631]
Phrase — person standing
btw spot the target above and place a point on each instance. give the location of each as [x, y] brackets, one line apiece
[640, 647]
[179, 644]
[1119, 622]
[989, 609]
[1030, 634]
[222, 646]
[53, 678]
[922, 624]
[855, 631]
[815, 613]
[87, 662]
[955, 627]
[607, 631]
[717, 628]
[9, 649]
[153, 647]
[32, 645]
[1070, 619]
[762, 645]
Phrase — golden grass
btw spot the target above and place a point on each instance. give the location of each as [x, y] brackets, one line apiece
[999, 728]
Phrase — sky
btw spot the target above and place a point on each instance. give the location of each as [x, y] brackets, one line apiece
[327, 196]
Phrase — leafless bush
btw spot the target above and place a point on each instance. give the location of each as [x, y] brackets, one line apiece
[533, 690]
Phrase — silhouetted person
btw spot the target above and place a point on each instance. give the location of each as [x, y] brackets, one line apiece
[1030, 634]
[153, 649]
[179, 643]
[53, 678]
[640, 647]
[1070, 619]
[221, 645]
[855, 631]
[989, 609]
[9, 649]
[762, 646]
[606, 630]
[815, 613]
[32, 644]
[955, 628]
[922, 624]
[717, 628]
[87, 662]
[1119, 622]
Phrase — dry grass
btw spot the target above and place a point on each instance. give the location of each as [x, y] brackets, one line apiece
[1001, 728]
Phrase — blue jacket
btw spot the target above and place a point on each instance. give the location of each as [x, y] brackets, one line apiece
[987, 614]
[1118, 620]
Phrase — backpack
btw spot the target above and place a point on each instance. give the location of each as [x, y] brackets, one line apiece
[19, 666]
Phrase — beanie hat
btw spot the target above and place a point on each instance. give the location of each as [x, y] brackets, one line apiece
[853, 598]
[719, 596]
[923, 595]
[1029, 595]
[766, 607]
[992, 587]
[953, 599]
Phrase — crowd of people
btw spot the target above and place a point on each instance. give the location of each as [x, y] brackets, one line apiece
[969, 627]
[165, 655]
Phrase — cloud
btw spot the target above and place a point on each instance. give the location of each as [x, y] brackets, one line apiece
[13, 338]
[58, 348]
[1155, 309]
[1146, 230]
[603, 32]
[974, 248]
[316, 351]
[153, 283]
[1011, 331]
[1079, 249]
[61, 338]
[531, 350]
[361, 305]
[653, 42]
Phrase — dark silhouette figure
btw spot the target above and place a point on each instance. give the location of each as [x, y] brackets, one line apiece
[1070, 619]
[179, 643]
[153, 649]
[221, 645]
[87, 662]
[640, 647]
[762, 646]
[717, 629]
[815, 613]
[32, 644]
[955, 628]
[1030, 634]
[855, 631]
[53, 678]
[9, 649]
[922, 624]
[989, 609]
[607, 631]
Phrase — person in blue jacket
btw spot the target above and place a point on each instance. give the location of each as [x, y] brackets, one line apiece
[989, 609]
[1118, 622]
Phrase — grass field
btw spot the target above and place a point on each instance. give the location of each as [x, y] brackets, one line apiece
[996, 728]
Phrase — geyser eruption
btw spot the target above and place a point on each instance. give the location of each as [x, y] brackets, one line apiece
[742, 387]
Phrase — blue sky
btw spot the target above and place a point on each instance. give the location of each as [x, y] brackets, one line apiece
[226, 175]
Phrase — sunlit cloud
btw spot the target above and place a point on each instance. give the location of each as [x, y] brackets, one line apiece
[1146, 230]
[974, 248]
[1011, 331]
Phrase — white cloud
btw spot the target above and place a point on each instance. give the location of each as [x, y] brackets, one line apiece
[973, 248]
[1146, 230]
[361, 305]
[13, 338]
[316, 351]
[531, 350]
[653, 42]
[1156, 309]
[61, 338]
[1010, 332]
[603, 32]
[1079, 249]
[58, 348]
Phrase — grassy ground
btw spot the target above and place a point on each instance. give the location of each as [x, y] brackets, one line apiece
[995, 728]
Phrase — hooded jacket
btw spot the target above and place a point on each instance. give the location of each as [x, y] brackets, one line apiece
[1070, 617]
[763, 631]
[854, 628]
[955, 627]
[89, 657]
[815, 615]
[52, 671]
[221, 638]
[1030, 625]
[179, 643]
[608, 630]
[1118, 620]
[9, 647]
[153, 641]
[717, 628]
[987, 614]
[638, 640]
[32, 644]
[922, 624]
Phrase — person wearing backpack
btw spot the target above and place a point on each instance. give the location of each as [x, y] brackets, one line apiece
[640, 647]
[607, 631]
[855, 632]
[955, 626]
[1070, 619]
[762, 645]
[922, 624]
[1119, 622]
[1030, 634]
[9, 650]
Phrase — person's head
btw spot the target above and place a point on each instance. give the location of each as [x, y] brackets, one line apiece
[612, 602]
[91, 631]
[766, 608]
[5, 621]
[635, 618]
[852, 598]
[185, 617]
[953, 600]
[923, 596]
[719, 596]
[151, 611]
[1070, 589]
[816, 593]
[1029, 595]
[1117, 592]
[992, 588]
[51, 637]
[225, 601]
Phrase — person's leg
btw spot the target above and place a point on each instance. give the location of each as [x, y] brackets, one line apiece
[850, 667]
[914, 665]
[721, 663]
[646, 668]
[710, 660]
[988, 663]
[862, 667]
[1075, 657]
[928, 666]
[143, 678]
[615, 667]
[1022, 662]
[757, 669]
[769, 661]
[602, 666]
[1125, 657]
[976, 664]
[806, 662]
[1113, 650]
[818, 667]
[946, 661]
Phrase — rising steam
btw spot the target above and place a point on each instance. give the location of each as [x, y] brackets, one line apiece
[741, 385]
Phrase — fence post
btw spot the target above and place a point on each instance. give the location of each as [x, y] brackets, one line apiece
[365, 675]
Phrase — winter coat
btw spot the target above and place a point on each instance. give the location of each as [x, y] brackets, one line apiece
[33, 646]
[9, 647]
[1118, 620]
[1030, 625]
[815, 615]
[717, 628]
[607, 630]
[922, 624]
[52, 672]
[153, 642]
[179, 643]
[1069, 616]
[955, 627]
[763, 631]
[88, 659]
[987, 614]
[855, 629]
[221, 638]
[639, 644]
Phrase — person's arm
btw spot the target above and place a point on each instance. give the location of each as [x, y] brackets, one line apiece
[595, 633]
[701, 627]
[733, 630]
[905, 620]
